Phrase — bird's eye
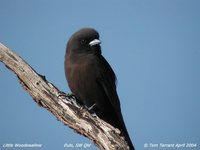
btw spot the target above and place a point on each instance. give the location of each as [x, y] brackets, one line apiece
[83, 41]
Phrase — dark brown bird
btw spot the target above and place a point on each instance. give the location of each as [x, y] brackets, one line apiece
[92, 80]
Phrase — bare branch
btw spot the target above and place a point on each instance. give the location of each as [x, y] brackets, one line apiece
[76, 117]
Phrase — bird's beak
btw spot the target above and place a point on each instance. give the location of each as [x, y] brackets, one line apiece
[95, 42]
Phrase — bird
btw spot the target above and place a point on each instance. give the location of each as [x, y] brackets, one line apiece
[92, 80]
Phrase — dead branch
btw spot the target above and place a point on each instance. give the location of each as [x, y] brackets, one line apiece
[63, 108]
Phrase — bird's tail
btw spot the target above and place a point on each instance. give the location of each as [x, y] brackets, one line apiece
[116, 119]
[125, 132]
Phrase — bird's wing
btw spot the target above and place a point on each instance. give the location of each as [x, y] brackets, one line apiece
[107, 80]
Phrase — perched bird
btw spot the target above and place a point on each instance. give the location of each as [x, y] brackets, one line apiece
[92, 80]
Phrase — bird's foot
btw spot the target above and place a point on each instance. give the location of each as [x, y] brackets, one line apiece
[91, 109]
[94, 114]
[69, 98]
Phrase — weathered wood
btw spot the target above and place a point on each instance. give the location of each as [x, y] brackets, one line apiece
[71, 114]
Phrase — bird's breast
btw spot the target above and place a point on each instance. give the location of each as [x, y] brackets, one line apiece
[81, 76]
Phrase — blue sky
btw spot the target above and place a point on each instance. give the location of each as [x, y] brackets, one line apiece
[152, 45]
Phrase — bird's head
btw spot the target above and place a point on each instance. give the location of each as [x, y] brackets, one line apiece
[84, 41]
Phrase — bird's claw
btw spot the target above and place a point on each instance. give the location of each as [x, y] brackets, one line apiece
[91, 107]
[70, 98]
